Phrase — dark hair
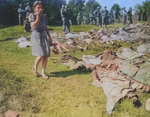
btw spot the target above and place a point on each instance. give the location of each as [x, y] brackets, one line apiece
[36, 3]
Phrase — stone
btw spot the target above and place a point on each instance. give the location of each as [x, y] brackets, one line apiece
[126, 67]
[128, 54]
[142, 76]
[144, 48]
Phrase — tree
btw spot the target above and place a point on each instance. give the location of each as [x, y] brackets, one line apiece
[116, 10]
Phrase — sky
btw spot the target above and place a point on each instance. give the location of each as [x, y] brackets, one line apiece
[122, 3]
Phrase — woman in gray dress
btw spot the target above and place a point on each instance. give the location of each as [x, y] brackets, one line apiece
[40, 38]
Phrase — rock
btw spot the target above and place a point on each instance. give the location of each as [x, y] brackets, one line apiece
[142, 76]
[128, 54]
[126, 67]
[144, 48]
[147, 105]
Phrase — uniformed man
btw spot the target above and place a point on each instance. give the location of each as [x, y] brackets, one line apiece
[105, 16]
[79, 19]
[84, 20]
[21, 13]
[91, 16]
[130, 16]
[28, 10]
[98, 17]
[65, 18]
[124, 16]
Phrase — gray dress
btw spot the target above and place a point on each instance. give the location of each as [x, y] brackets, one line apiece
[40, 43]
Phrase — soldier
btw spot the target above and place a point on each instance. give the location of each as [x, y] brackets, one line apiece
[84, 20]
[61, 12]
[79, 19]
[21, 12]
[124, 16]
[130, 16]
[91, 16]
[98, 17]
[65, 18]
[105, 16]
[28, 10]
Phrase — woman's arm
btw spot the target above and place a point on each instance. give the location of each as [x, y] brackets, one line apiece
[36, 23]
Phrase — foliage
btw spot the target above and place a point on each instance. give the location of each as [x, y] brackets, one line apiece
[146, 5]
[116, 10]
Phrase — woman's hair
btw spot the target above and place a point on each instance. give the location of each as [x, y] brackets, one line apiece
[36, 3]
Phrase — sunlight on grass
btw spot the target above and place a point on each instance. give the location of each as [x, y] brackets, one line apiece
[67, 93]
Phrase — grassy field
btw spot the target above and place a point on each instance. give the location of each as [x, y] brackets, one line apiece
[67, 93]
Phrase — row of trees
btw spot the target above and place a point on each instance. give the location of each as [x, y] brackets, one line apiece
[146, 5]
[9, 9]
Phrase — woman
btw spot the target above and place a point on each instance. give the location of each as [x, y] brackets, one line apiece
[40, 42]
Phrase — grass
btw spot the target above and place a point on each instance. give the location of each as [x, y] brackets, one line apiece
[67, 93]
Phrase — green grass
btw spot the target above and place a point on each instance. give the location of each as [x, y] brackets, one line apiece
[67, 93]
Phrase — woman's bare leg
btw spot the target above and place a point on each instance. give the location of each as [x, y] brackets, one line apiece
[44, 64]
[37, 61]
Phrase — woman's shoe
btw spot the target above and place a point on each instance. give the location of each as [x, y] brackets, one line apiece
[35, 72]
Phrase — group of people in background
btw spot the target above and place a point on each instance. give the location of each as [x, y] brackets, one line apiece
[99, 17]
[23, 12]
[103, 18]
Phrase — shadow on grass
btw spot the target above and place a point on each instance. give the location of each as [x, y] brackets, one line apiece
[6, 39]
[79, 71]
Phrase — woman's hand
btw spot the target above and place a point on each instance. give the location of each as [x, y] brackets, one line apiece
[40, 13]
[52, 44]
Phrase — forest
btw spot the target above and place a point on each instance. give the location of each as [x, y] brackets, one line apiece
[9, 9]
